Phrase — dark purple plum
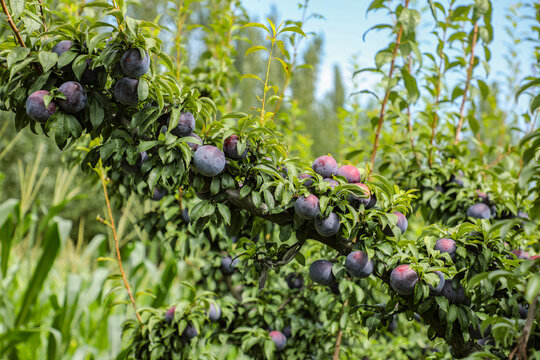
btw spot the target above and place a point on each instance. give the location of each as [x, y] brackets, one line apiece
[358, 264]
[279, 339]
[320, 271]
[214, 312]
[287, 331]
[190, 332]
[523, 310]
[169, 315]
[230, 148]
[186, 125]
[185, 215]
[194, 146]
[402, 224]
[133, 65]
[62, 47]
[357, 201]
[325, 166]
[523, 215]
[482, 196]
[328, 226]
[91, 76]
[372, 202]
[403, 279]
[350, 173]
[333, 183]
[228, 265]
[437, 290]
[307, 183]
[158, 194]
[294, 281]
[521, 254]
[125, 91]
[455, 295]
[307, 207]
[479, 211]
[448, 246]
[35, 107]
[75, 97]
[209, 160]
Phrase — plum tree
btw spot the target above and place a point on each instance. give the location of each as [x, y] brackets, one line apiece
[479, 211]
[403, 279]
[320, 271]
[36, 109]
[133, 65]
[326, 166]
[279, 339]
[357, 201]
[169, 315]
[482, 196]
[186, 124]
[75, 97]
[209, 160]
[350, 173]
[230, 148]
[125, 91]
[358, 264]
[228, 265]
[294, 281]
[91, 76]
[328, 226]
[307, 207]
[448, 246]
[214, 312]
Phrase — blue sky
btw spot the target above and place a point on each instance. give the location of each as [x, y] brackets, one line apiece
[345, 22]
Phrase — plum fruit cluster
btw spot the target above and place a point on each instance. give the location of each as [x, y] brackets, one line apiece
[70, 97]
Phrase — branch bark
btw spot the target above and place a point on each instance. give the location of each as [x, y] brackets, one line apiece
[12, 24]
[342, 245]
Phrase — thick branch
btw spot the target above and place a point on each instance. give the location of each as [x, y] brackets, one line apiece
[467, 83]
[286, 218]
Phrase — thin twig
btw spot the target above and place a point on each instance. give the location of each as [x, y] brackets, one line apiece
[118, 256]
[438, 90]
[467, 83]
[521, 348]
[387, 94]
[337, 348]
[409, 122]
[42, 15]
[12, 24]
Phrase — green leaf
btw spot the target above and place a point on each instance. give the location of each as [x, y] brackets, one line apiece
[142, 89]
[16, 54]
[255, 49]
[225, 213]
[201, 210]
[409, 19]
[410, 85]
[47, 59]
[535, 103]
[533, 288]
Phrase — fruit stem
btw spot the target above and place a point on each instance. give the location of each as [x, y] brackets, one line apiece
[467, 83]
[118, 256]
[12, 24]
[387, 94]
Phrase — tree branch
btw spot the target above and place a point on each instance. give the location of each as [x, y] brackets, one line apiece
[467, 83]
[521, 348]
[387, 94]
[286, 217]
[12, 24]
[337, 348]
